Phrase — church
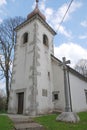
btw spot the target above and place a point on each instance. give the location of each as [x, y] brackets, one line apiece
[38, 81]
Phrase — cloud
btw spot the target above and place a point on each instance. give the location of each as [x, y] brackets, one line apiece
[64, 31]
[71, 51]
[49, 13]
[2, 2]
[1, 20]
[84, 23]
[61, 11]
[54, 17]
[83, 37]
[42, 5]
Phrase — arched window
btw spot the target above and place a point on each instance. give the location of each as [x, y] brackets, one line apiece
[25, 38]
[45, 40]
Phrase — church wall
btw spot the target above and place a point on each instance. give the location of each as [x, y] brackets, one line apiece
[22, 70]
[39, 77]
[78, 88]
[23, 58]
[32, 57]
[44, 79]
[58, 83]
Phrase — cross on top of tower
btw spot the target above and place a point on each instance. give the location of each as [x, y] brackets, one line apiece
[37, 1]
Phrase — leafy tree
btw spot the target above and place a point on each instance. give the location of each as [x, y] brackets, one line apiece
[7, 44]
[81, 67]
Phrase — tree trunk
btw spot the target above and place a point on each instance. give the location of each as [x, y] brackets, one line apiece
[7, 87]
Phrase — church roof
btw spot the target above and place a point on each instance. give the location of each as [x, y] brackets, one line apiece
[73, 71]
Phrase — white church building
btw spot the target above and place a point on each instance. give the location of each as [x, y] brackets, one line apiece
[37, 85]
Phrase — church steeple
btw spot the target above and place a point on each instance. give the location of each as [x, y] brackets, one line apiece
[36, 4]
[36, 11]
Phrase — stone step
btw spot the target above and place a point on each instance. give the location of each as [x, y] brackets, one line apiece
[28, 126]
[57, 111]
[22, 120]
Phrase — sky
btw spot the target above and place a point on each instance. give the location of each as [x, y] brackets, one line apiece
[71, 38]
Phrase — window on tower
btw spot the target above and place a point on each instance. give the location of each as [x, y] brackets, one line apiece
[45, 40]
[25, 38]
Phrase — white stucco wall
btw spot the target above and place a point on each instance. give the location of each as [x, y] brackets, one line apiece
[22, 68]
[78, 87]
[58, 83]
[38, 80]
[22, 79]
[44, 81]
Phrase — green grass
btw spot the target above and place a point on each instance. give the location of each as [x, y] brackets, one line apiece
[3, 112]
[5, 123]
[50, 123]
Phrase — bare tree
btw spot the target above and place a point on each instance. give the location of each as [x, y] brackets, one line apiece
[81, 67]
[7, 43]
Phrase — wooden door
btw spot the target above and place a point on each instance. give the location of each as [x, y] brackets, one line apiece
[20, 102]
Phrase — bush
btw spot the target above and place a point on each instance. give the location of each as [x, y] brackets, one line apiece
[2, 101]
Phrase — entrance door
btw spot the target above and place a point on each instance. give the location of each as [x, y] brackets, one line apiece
[20, 102]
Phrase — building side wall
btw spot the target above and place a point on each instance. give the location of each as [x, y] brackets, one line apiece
[77, 88]
[58, 83]
[44, 77]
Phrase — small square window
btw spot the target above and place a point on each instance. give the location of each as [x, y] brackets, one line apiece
[55, 96]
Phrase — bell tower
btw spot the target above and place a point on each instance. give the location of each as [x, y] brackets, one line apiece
[31, 86]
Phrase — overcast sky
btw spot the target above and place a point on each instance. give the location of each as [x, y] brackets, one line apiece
[71, 38]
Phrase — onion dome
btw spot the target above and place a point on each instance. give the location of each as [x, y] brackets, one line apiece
[36, 11]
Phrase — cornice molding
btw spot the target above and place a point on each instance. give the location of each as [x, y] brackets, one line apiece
[34, 18]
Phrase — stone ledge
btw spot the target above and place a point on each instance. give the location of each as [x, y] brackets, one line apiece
[28, 126]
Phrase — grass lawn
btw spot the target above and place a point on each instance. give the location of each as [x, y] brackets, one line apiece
[5, 123]
[50, 123]
[3, 112]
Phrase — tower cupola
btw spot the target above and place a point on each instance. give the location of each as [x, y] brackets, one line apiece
[36, 11]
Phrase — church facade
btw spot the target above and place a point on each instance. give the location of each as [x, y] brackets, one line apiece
[37, 85]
